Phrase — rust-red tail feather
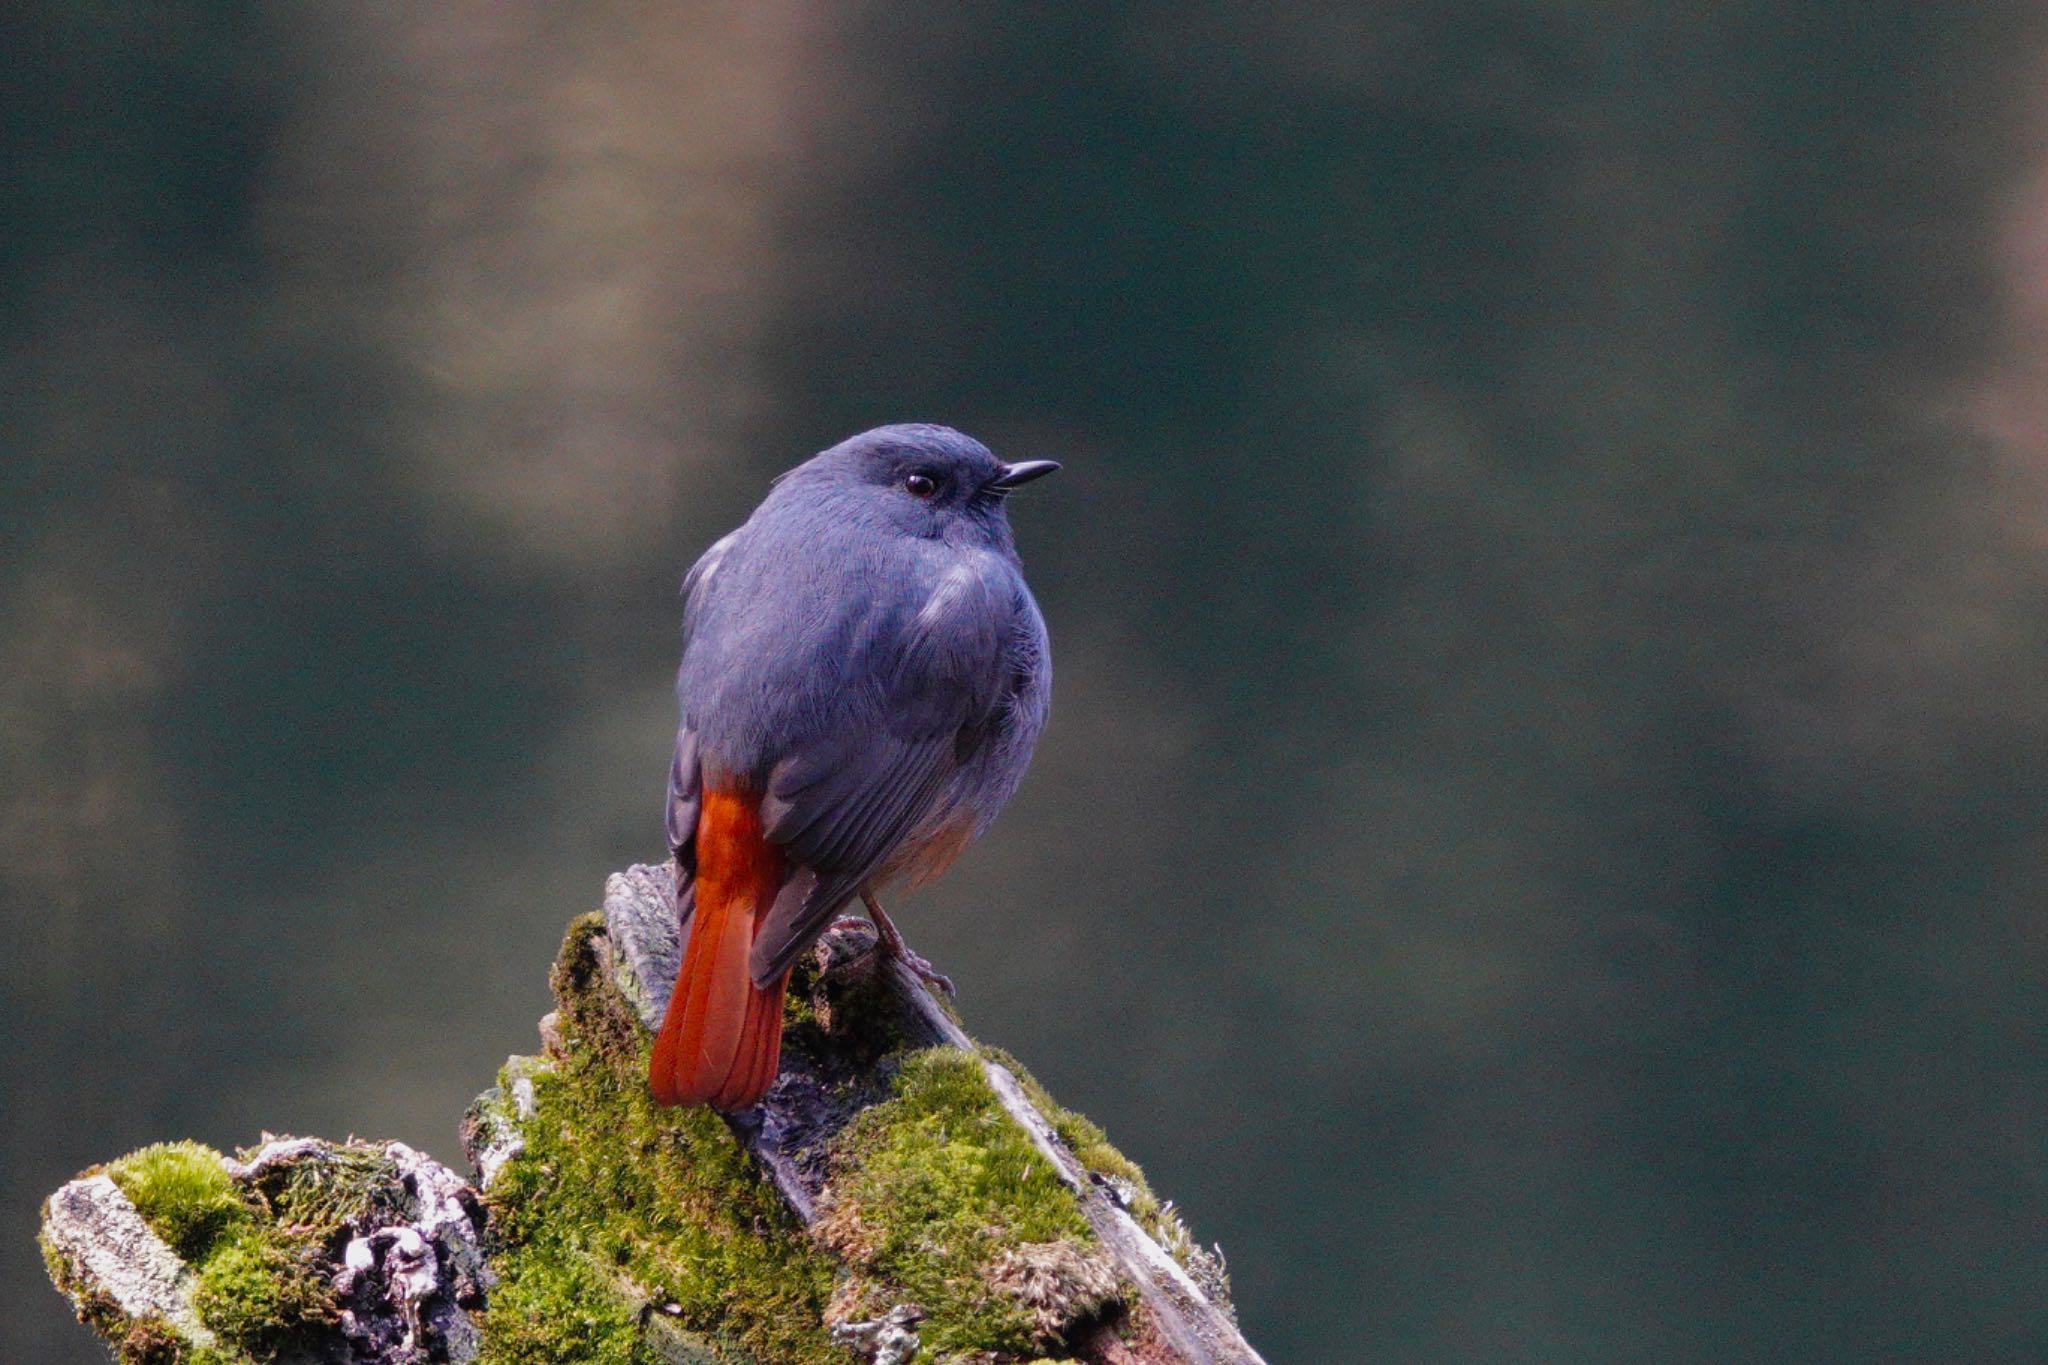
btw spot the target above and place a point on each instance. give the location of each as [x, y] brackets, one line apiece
[721, 1039]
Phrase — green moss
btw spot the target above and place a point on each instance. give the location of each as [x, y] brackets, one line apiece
[799, 1011]
[930, 1188]
[616, 1204]
[337, 1186]
[149, 1340]
[559, 1307]
[1089, 1144]
[622, 1233]
[262, 1295]
[255, 1287]
[820, 1001]
[61, 1272]
[184, 1193]
[1092, 1148]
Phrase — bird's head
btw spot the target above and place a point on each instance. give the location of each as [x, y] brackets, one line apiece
[923, 479]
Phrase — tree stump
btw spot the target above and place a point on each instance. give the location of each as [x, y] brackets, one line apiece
[901, 1193]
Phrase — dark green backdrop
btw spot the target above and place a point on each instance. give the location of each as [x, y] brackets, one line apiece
[1540, 847]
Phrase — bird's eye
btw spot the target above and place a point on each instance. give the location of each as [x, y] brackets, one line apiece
[920, 485]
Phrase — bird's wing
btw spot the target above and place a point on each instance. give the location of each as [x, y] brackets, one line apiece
[842, 803]
[685, 794]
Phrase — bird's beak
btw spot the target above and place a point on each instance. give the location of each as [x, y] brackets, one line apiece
[1022, 472]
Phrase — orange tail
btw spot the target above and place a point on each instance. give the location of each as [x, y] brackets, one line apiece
[722, 1037]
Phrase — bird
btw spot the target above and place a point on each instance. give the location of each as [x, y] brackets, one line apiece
[864, 676]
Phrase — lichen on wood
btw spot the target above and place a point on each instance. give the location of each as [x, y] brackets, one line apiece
[901, 1192]
[300, 1250]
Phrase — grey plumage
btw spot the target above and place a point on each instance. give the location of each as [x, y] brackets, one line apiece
[867, 657]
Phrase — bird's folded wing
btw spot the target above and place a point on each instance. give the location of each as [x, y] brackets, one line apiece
[685, 794]
[844, 803]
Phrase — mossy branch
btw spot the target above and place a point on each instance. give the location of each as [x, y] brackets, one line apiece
[901, 1192]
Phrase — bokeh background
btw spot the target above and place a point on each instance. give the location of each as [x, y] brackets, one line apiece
[1541, 845]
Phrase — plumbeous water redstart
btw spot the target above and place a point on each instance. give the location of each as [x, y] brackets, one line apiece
[864, 676]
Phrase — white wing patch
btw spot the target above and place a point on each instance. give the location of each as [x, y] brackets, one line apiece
[957, 582]
[713, 557]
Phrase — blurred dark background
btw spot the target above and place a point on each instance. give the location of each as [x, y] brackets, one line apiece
[1541, 845]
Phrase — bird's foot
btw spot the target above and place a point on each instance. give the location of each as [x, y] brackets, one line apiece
[923, 970]
[892, 943]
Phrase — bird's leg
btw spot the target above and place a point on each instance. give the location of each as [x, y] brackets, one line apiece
[893, 944]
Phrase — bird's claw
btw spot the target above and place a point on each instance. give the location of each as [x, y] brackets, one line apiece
[889, 943]
[924, 971]
[880, 952]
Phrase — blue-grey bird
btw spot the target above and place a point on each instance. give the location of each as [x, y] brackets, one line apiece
[864, 676]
